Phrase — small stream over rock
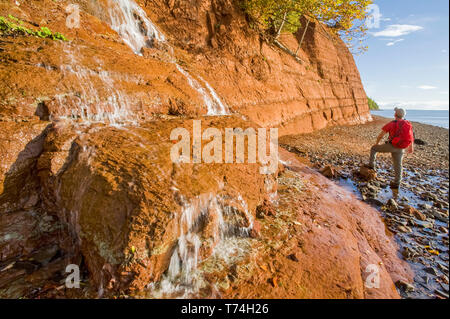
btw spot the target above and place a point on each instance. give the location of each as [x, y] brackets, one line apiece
[136, 30]
[131, 22]
[223, 223]
[86, 105]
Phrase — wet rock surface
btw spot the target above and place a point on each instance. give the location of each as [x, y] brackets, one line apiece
[314, 244]
[117, 222]
[127, 218]
[417, 213]
[128, 205]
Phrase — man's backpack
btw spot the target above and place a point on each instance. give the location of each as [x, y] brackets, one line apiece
[403, 136]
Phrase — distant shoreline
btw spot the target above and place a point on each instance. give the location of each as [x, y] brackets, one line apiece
[438, 121]
[413, 122]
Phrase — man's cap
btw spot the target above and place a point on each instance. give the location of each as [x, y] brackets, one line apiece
[400, 112]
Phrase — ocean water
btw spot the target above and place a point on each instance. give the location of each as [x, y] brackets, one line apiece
[432, 117]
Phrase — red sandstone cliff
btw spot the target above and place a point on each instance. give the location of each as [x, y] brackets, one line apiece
[211, 39]
[261, 81]
[108, 198]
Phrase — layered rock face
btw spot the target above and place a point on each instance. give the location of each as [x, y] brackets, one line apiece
[211, 40]
[261, 81]
[131, 209]
[87, 176]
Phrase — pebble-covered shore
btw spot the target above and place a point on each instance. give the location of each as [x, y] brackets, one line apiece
[417, 214]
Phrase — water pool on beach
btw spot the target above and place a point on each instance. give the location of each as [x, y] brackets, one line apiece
[422, 234]
[432, 117]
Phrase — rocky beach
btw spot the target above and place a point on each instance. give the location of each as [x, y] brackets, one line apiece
[417, 213]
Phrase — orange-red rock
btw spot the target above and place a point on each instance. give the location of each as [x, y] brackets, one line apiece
[112, 193]
[368, 174]
[212, 40]
[118, 189]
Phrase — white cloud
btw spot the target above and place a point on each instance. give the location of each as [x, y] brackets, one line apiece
[382, 18]
[397, 30]
[444, 92]
[389, 44]
[426, 87]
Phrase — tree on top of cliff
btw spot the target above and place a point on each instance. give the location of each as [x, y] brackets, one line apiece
[343, 17]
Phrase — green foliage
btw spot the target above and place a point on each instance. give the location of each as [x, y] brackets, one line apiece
[372, 104]
[14, 26]
[13, 18]
[44, 32]
[269, 15]
[344, 17]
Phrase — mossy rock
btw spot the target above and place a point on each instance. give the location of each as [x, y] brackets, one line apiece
[13, 26]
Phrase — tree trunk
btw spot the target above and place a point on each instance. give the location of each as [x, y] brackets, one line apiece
[303, 37]
[281, 26]
[285, 49]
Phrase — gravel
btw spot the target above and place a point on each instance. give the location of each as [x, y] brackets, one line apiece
[417, 213]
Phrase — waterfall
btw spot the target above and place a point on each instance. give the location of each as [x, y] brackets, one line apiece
[131, 22]
[183, 278]
[114, 109]
[214, 106]
[219, 108]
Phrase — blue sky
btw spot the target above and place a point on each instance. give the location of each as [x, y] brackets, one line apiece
[407, 63]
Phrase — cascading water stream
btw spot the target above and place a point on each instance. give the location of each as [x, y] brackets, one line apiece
[220, 108]
[183, 279]
[131, 22]
[96, 97]
[215, 106]
[114, 109]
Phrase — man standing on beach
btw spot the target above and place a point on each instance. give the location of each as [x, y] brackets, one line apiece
[401, 137]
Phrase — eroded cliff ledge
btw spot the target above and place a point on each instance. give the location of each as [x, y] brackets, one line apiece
[210, 39]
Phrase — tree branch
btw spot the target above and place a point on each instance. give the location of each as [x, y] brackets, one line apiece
[281, 26]
[285, 49]
[303, 36]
